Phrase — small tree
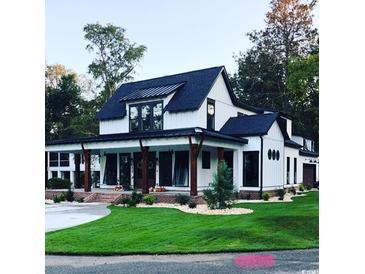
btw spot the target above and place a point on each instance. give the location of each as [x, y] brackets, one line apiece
[221, 191]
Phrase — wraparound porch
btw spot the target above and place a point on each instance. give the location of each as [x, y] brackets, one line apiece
[179, 161]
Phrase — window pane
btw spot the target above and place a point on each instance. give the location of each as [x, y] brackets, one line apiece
[53, 156]
[64, 156]
[133, 116]
[251, 169]
[157, 116]
[206, 160]
[146, 117]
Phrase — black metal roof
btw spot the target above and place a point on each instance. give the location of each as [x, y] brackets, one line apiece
[291, 143]
[188, 97]
[152, 92]
[150, 135]
[306, 152]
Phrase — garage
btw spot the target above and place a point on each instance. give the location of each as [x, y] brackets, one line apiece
[309, 174]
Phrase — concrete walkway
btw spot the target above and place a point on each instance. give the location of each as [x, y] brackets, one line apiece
[65, 215]
[286, 261]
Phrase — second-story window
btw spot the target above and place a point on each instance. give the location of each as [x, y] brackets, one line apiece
[146, 116]
[210, 114]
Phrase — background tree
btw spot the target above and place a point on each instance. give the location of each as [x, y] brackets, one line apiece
[263, 70]
[116, 57]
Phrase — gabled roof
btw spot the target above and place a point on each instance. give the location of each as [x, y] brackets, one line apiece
[187, 97]
[181, 132]
[251, 125]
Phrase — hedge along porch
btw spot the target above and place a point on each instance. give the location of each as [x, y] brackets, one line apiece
[183, 159]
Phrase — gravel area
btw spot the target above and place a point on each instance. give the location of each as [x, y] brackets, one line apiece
[287, 198]
[200, 209]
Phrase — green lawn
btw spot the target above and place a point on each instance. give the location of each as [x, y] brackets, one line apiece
[154, 230]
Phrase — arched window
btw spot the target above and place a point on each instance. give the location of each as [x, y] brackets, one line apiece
[273, 155]
[277, 155]
[269, 154]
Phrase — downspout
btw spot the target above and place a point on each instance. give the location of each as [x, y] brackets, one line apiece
[261, 165]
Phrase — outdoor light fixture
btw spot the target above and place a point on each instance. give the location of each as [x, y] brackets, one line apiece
[210, 109]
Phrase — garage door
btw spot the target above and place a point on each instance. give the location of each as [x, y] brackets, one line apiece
[309, 174]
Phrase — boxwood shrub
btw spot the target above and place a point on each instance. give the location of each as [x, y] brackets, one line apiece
[58, 183]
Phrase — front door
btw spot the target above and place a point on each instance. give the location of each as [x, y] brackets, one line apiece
[165, 168]
[138, 169]
[309, 174]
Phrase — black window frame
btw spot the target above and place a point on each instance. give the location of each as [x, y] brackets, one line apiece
[295, 170]
[206, 159]
[287, 170]
[211, 123]
[139, 106]
[64, 162]
[54, 162]
[269, 154]
[257, 155]
[277, 155]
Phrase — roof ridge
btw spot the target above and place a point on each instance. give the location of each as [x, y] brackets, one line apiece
[222, 66]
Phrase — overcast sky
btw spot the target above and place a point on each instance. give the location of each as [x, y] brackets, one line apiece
[179, 35]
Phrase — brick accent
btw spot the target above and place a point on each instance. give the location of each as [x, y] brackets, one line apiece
[255, 195]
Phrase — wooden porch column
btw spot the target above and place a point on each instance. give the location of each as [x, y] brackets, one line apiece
[145, 170]
[46, 169]
[220, 151]
[87, 174]
[77, 170]
[193, 169]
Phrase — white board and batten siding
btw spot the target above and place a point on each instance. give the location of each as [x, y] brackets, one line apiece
[273, 176]
[293, 153]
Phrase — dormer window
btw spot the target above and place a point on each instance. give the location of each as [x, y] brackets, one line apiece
[210, 114]
[146, 116]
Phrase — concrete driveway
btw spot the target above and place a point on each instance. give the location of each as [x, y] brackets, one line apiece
[65, 215]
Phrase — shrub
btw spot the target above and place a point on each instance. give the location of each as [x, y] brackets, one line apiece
[69, 195]
[62, 197]
[56, 199]
[220, 193]
[81, 200]
[308, 187]
[182, 199]
[125, 201]
[301, 187]
[58, 183]
[149, 199]
[192, 204]
[266, 196]
[136, 197]
[280, 193]
[132, 203]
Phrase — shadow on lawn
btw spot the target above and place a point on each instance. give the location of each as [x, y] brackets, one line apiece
[268, 231]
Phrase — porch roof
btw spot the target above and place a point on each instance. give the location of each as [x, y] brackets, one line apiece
[195, 131]
[291, 143]
[305, 152]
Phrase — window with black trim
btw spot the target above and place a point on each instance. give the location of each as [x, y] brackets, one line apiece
[64, 159]
[54, 174]
[146, 116]
[210, 114]
[269, 154]
[288, 170]
[251, 168]
[206, 159]
[295, 170]
[53, 159]
[273, 154]
[277, 155]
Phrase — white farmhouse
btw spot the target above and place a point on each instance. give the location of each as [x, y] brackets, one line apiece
[172, 131]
